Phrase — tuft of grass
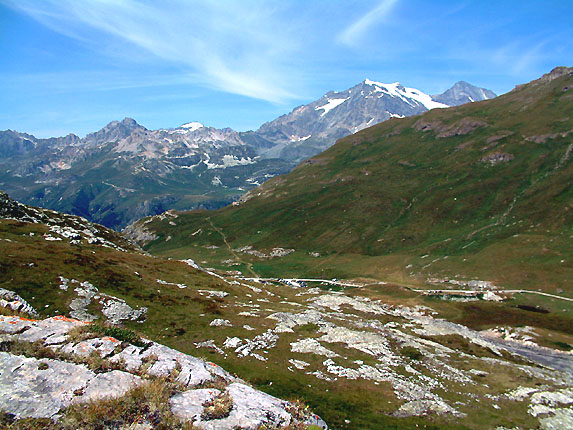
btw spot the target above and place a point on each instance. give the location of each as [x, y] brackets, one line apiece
[298, 410]
[218, 407]
[119, 333]
[148, 402]
[217, 383]
[563, 345]
[5, 311]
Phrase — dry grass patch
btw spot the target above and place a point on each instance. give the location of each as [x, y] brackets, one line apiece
[148, 402]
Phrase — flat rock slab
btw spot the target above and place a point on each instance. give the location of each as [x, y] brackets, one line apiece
[251, 410]
[109, 384]
[189, 404]
[34, 330]
[26, 391]
[103, 346]
[192, 371]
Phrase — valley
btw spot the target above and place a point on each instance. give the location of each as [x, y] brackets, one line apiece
[404, 309]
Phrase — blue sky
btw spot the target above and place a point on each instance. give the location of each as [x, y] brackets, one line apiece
[74, 65]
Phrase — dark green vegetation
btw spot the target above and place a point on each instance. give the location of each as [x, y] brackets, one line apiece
[119, 333]
[482, 191]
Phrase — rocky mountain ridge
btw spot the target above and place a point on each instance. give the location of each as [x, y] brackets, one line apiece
[125, 171]
[312, 128]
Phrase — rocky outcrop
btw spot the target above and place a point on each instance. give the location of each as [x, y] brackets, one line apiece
[63, 227]
[9, 299]
[34, 387]
[459, 128]
[139, 233]
[497, 157]
[251, 408]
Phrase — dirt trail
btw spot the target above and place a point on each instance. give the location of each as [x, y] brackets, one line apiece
[434, 291]
[233, 253]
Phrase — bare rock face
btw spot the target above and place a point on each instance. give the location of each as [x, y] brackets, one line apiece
[459, 128]
[139, 233]
[557, 72]
[462, 127]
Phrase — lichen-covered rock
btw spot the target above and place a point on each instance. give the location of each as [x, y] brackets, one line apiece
[34, 330]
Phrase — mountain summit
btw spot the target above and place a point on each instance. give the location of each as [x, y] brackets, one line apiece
[461, 93]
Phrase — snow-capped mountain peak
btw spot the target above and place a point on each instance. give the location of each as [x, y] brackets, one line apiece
[407, 94]
[192, 159]
[192, 126]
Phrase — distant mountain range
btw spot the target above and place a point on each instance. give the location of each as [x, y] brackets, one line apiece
[124, 171]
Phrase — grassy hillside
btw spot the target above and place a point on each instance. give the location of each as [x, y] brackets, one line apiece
[480, 191]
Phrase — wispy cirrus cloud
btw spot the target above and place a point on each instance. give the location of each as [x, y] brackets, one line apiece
[232, 47]
[352, 34]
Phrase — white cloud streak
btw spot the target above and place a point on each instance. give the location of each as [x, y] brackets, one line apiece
[353, 34]
[233, 47]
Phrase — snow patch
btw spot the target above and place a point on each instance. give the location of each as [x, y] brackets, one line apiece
[229, 161]
[332, 103]
[300, 139]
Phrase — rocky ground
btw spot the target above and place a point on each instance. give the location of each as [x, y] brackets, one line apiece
[32, 387]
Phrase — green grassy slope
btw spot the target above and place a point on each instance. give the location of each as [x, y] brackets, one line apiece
[484, 189]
